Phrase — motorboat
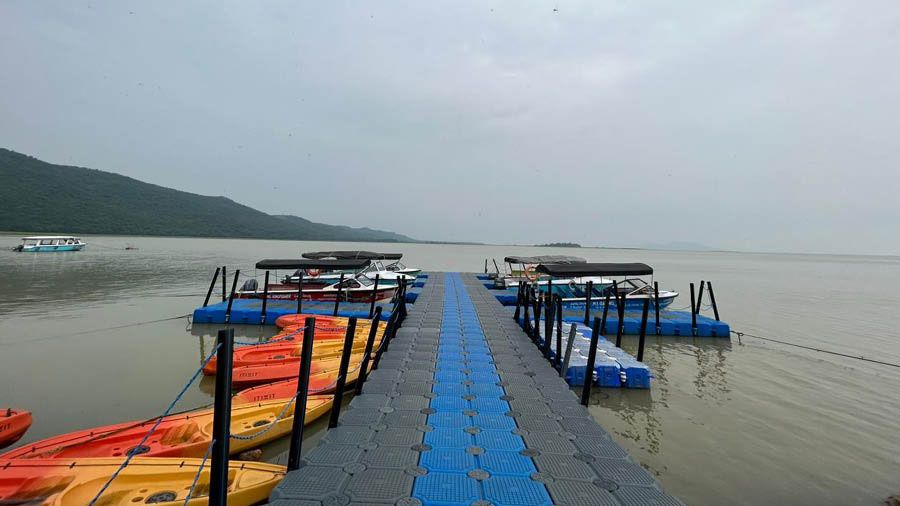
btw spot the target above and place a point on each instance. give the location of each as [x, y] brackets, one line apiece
[50, 243]
[389, 274]
[354, 288]
[632, 288]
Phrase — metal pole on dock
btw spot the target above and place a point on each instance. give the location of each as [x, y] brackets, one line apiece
[385, 339]
[374, 297]
[300, 292]
[526, 318]
[700, 296]
[337, 299]
[342, 373]
[559, 317]
[589, 368]
[605, 311]
[485, 265]
[693, 313]
[364, 366]
[224, 286]
[218, 468]
[549, 319]
[212, 286]
[712, 298]
[587, 303]
[262, 314]
[296, 444]
[538, 301]
[640, 355]
[620, 327]
[565, 364]
[231, 297]
[518, 303]
[495, 265]
[656, 298]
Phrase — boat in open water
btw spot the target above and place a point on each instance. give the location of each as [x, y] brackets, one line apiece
[50, 243]
[386, 266]
[628, 285]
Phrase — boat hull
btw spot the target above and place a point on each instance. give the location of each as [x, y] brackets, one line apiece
[13, 425]
[50, 249]
[631, 303]
[289, 292]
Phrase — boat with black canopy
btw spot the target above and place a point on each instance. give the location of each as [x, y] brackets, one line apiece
[523, 268]
[634, 289]
[356, 287]
[386, 265]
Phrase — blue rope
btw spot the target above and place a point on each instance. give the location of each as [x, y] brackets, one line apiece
[155, 425]
[197, 476]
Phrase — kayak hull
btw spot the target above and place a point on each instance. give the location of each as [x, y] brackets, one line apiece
[14, 423]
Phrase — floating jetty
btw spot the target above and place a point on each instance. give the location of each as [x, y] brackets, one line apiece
[464, 409]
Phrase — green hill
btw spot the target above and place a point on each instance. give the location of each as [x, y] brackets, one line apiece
[38, 196]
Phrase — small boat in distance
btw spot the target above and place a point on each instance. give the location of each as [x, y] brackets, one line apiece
[47, 243]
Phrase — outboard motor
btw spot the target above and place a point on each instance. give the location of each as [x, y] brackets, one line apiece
[250, 285]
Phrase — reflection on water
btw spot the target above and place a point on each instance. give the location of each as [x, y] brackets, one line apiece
[723, 423]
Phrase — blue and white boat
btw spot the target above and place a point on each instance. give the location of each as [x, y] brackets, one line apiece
[48, 243]
[633, 290]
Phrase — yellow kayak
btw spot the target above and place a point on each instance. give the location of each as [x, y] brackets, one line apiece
[160, 481]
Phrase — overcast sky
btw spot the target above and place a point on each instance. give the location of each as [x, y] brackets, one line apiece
[739, 125]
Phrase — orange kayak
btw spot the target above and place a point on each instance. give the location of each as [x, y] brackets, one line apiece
[13, 425]
[298, 320]
[164, 482]
[288, 350]
[183, 435]
[325, 370]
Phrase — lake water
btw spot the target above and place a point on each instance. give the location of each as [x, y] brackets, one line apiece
[725, 422]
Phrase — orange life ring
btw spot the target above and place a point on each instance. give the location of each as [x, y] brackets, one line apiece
[530, 273]
[314, 272]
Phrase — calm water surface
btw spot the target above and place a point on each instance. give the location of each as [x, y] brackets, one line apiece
[726, 422]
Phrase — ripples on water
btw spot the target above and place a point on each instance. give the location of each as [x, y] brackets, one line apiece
[725, 422]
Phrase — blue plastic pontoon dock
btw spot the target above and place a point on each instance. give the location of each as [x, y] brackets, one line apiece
[464, 410]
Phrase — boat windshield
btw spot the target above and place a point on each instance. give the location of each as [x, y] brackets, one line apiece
[396, 266]
[363, 280]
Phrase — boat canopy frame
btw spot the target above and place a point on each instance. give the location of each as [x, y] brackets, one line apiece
[595, 269]
[306, 263]
[351, 255]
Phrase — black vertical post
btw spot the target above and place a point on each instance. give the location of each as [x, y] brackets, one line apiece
[518, 303]
[364, 366]
[565, 363]
[700, 297]
[495, 266]
[296, 444]
[559, 317]
[538, 300]
[231, 297]
[712, 298]
[300, 292]
[693, 313]
[485, 265]
[337, 299]
[640, 354]
[262, 315]
[587, 302]
[374, 297]
[212, 286]
[384, 339]
[605, 311]
[656, 298]
[592, 357]
[526, 303]
[218, 469]
[342, 373]
[620, 328]
[224, 281]
[549, 318]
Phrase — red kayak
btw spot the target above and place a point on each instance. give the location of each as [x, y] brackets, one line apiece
[13, 425]
[285, 389]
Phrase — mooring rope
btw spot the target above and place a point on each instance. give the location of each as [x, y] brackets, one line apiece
[200, 470]
[855, 357]
[165, 413]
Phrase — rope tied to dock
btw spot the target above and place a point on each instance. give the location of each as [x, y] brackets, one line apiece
[159, 420]
[812, 348]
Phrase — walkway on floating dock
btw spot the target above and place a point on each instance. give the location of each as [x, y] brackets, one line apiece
[464, 410]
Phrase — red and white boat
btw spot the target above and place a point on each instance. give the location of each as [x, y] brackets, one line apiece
[356, 288]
